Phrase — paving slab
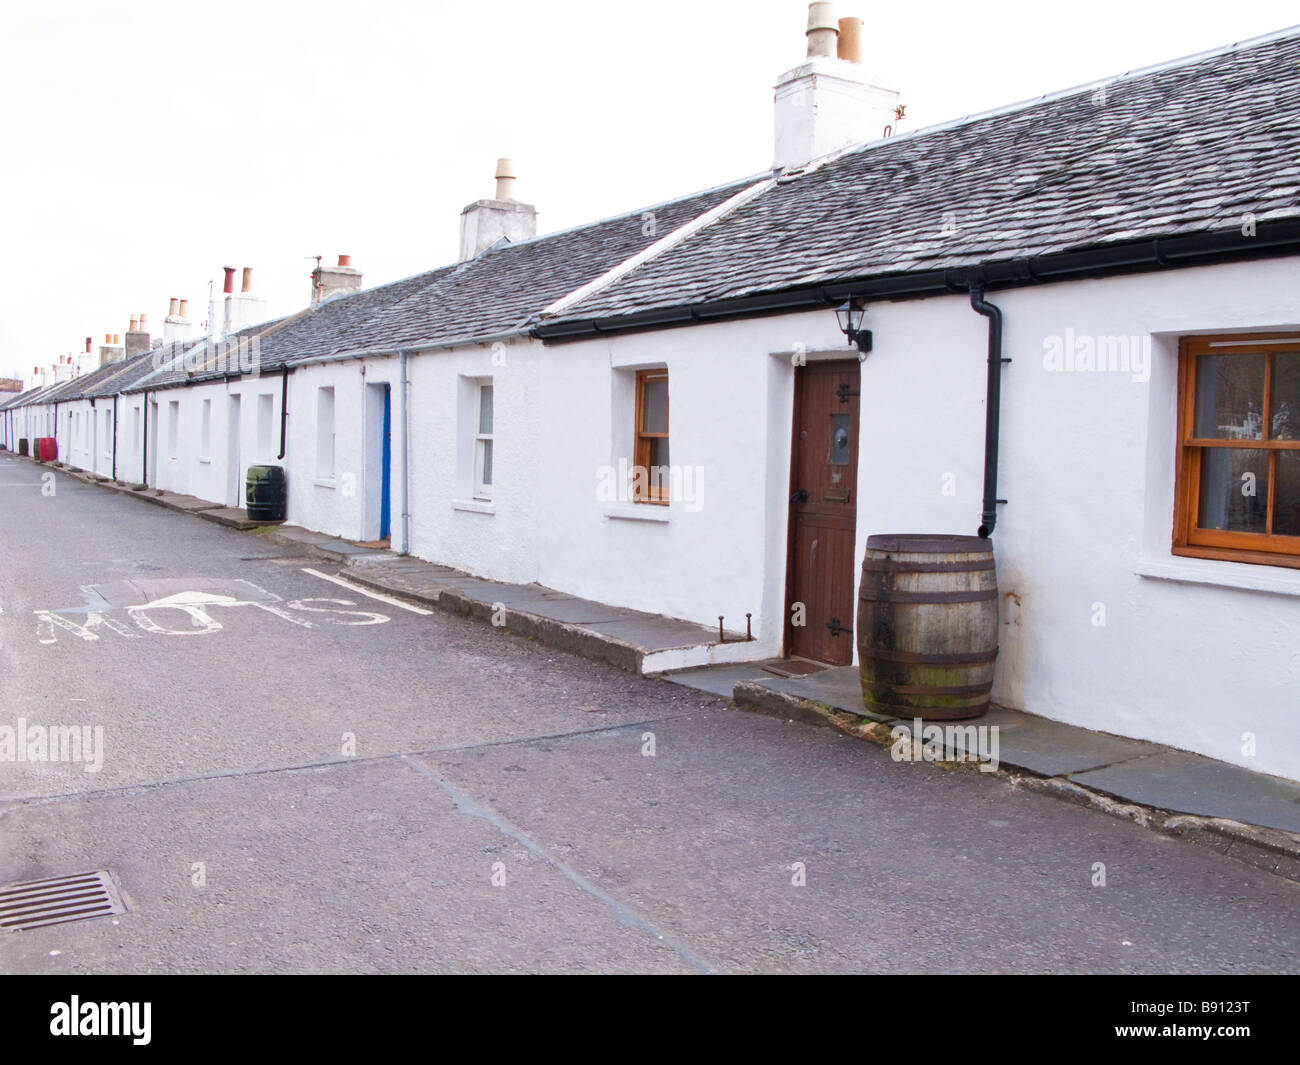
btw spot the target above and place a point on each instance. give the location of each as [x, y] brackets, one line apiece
[230, 517]
[655, 633]
[190, 504]
[840, 688]
[718, 680]
[1188, 783]
[1052, 748]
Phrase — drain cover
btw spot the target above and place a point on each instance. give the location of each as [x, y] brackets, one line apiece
[58, 900]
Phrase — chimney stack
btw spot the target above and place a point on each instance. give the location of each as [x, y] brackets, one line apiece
[137, 340]
[111, 350]
[329, 282]
[242, 308]
[176, 326]
[829, 102]
[484, 222]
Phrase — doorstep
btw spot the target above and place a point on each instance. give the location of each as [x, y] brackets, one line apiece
[629, 639]
[1248, 815]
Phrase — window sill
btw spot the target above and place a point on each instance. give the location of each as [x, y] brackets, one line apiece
[474, 506]
[1248, 577]
[325, 482]
[638, 512]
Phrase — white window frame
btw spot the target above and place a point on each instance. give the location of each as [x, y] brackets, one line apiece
[483, 442]
[326, 441]
[173, 429]
[205, 431]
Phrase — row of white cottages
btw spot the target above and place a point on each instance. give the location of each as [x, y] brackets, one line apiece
[1138, 243]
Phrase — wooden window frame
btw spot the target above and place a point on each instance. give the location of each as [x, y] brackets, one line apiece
[655, 494]
[1264, 549]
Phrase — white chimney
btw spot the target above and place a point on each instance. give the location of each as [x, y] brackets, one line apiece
[243, 308]
[330, 281]
[176, 326]
[828, 102]
[484, 222]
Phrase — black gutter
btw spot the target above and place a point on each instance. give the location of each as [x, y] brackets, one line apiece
[1200, 249]
[284, 407]
[992, 409]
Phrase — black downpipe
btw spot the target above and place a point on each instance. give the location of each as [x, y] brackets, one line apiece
[115, 436]
[992, 409]
[284, 408]
[144, 448]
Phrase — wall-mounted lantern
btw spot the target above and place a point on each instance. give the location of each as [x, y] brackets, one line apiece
[850, 316]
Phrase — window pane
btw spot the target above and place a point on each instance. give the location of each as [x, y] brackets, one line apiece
[654, 405]
[658, 451]
[485, 462]
[485, 409]
[839, 446]
[1230, 397]
[1286, 499]
[1284, 397]
[1234, 489]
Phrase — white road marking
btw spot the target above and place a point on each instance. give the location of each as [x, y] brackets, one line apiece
[367, 592]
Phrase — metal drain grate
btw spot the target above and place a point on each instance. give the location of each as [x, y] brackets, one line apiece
[58, 900]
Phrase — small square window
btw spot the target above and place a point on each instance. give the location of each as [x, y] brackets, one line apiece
[1238, 479]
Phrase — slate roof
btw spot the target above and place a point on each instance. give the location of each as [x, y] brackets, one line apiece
[43, 394]
[127, 373]
[17, 400]
[103, 380]
[501, 290]
[183, 362]
[1185, 148]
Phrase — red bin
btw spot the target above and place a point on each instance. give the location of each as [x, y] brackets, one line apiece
[47, 448]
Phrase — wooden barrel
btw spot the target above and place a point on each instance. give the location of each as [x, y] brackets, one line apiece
[927, 626]
[266, 493]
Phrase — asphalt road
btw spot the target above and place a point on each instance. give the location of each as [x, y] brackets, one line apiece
[298, 778]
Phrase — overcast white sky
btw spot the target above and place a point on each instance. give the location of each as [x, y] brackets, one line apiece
[149, 143]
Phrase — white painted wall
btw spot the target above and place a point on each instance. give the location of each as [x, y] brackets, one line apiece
[346, 503]
[185, 465]
[1188, 658]
[1193, 653]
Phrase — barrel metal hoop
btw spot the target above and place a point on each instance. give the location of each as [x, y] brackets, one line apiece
[977, 658]
[889, 565]
[892, 595]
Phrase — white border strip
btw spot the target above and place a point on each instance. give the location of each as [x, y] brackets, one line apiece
[366, 592]
[658, 247]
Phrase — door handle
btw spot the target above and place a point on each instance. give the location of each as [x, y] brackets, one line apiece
[801, 496]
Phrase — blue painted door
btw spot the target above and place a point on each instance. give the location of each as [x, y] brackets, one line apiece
[385, 478]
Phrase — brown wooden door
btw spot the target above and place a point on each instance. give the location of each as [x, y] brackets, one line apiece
[823, 509]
